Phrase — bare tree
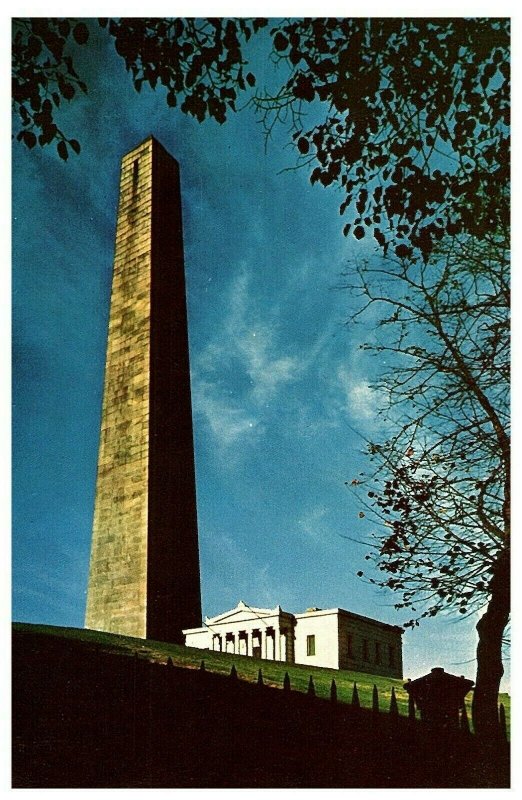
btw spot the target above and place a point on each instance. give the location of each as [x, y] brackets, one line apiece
[439, 490]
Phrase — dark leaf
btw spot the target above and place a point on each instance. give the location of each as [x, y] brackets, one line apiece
[280, 41]
[62, 150]
[67, 91]
[379, 236]
[64, 28]
[316, 173]
[29, 139]
[34, 46]
[191, 77]
[81, 32]
[259, 22]
[303, 88]
[403, 251]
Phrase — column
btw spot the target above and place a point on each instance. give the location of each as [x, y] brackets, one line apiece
[282, 645]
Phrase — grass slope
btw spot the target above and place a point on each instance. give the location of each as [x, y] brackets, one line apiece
[246, 666]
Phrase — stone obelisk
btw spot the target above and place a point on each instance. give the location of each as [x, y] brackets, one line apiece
[144, 571]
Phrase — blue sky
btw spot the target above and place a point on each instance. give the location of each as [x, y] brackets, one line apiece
[280, 386]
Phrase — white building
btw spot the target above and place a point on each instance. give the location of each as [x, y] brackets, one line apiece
[332, 638]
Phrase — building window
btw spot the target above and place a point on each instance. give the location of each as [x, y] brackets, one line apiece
[365, 651]
[310, 645]
[377, 652]
[391, 655]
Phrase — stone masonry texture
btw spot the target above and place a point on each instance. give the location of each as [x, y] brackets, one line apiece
[144, 570]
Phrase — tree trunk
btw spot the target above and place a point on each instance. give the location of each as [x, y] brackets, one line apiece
[490, 628]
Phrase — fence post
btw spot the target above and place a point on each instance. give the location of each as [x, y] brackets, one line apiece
[375, 700]
[394, 708]
[355, 697]
[260, 678]
[202, 667]
[286, 682]
[311, 687]
[333, 691]
[233, 672]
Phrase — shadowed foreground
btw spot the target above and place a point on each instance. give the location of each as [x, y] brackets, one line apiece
[84, 717]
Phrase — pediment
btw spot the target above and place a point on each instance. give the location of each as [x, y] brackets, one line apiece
[241, 612]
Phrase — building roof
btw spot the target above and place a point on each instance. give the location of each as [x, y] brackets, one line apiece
[245, 613]
[317, 612]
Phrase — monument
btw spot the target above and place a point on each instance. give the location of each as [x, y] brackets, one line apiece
[144, 570]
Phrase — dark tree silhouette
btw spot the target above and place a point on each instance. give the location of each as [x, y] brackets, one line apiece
[440, 486]
[199, 62]
[414, 126]
[43, 76]
[414, 113]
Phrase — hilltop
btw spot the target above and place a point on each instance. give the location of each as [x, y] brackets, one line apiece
[94, 710]
[247, 667]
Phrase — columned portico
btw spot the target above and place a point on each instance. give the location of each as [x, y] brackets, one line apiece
[247, 631]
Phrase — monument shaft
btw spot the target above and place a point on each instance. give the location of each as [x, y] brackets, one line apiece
[144, 572]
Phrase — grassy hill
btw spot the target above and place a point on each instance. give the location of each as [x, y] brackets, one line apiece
[247, 667]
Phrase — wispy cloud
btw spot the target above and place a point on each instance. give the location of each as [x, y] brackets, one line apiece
[313, 522]
[309, 424]
[227, 422]
[253, 336]
[358, 399]
[245, 366]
